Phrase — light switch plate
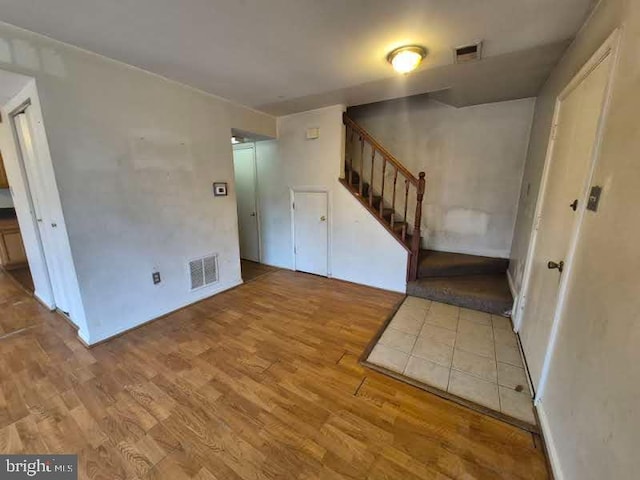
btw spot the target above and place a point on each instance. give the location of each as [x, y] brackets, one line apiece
[313, 133]
[594, 198]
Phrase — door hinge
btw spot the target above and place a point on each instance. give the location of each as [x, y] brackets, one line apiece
[293, 205]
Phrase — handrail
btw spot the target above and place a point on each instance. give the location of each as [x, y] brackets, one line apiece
[377, 146]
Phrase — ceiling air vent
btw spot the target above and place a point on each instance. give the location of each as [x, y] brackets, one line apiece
[203, 271]
[468, 53]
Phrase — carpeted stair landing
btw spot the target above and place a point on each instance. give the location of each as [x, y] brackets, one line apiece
[468, 281]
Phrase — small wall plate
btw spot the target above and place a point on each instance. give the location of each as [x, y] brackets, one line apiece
[220, 189]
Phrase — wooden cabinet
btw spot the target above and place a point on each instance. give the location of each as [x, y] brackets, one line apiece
[12, 254]
[4, 182]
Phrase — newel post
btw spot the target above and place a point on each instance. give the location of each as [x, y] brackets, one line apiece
[415, 239]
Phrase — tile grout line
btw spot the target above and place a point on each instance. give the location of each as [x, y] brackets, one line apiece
[404, 370]
[455, 340]
[495, 357]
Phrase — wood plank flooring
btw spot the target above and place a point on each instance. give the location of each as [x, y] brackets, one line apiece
[261, 382]
[252, 270]
[22, 275]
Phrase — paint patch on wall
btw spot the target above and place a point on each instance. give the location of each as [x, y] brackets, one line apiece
[465, 221]
[26, 55]
[5, 52]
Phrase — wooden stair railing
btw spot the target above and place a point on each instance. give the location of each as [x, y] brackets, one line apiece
[363, 191]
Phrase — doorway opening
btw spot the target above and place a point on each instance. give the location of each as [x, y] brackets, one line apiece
[246, 187]
[13, 256]
[36, 246]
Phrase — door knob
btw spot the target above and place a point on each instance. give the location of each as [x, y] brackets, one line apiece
[574, 205]
[253, 214]
[323, 218]
[553, 265]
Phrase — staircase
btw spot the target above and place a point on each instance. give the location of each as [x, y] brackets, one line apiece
[393, 195]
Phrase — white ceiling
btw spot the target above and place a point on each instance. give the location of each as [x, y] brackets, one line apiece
[268, 54]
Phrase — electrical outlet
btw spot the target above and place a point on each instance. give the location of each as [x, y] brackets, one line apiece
[156, 278]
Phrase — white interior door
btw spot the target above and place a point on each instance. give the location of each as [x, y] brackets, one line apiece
[311, 232]
[47, 224]
[566, 182]
[244, 162]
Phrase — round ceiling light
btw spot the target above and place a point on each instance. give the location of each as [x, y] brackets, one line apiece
[406, 59]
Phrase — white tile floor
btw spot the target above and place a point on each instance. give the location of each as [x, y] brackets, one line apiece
[471, 354]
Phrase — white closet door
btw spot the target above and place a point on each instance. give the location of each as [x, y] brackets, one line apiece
[311, 232]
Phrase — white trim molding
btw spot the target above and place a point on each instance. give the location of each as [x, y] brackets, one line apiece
[552, 451]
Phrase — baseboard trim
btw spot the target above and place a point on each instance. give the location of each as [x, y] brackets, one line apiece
[548, 443]
[225, 288]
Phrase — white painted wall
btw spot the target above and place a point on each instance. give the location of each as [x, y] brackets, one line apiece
[5, 198]
[134, 156]
[361, 250]
[589, 407]
[608, 16]
[473, 158]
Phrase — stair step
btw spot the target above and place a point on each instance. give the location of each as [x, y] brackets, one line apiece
[387, 213]
[445, 264]
[487, 293]
[365, 188]
[398, 226]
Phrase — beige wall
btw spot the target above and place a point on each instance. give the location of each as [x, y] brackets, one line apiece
[590, 403]
[135, 157]
[474, 159]
[361, 250]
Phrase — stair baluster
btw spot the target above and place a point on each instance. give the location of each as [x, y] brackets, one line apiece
[415, 239]
[360, 179]
[373, 161]
[384, 167]
[350, 156]
[393, 201]
[406, 205]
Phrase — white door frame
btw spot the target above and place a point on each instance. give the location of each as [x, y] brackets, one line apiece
[609, 48]
[52, 207]
[246, 146]
[310, 189]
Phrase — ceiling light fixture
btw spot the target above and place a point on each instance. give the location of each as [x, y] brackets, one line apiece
[406, 59]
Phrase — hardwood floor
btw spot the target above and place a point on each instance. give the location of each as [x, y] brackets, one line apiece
[260, 382]
[22, 275]
[252, 270]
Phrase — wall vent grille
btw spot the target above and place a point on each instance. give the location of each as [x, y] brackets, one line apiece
[203, 271]
[468, 53]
